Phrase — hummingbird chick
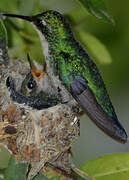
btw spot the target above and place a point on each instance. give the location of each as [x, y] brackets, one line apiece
[30, 94]
[72, 70]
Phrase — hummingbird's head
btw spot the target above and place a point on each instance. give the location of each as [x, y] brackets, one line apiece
[50, 23]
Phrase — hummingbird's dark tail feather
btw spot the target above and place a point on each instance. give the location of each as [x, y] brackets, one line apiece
[27, 18]
[88, 102]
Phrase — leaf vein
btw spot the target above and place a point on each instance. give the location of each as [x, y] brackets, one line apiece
[111, 172]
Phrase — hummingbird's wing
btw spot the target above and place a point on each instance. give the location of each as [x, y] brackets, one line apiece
[86, 98]
[88, 89]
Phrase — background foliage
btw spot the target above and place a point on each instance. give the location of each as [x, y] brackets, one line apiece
[108, 44]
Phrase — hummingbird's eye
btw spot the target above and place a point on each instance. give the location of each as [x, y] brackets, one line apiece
[40, 23]
[31, 84]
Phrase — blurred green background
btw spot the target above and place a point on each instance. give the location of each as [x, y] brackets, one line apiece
[22, 38]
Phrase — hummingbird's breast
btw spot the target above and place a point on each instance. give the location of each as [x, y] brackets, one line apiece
[55, 82]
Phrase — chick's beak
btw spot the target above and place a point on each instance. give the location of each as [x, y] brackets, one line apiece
[37, 73]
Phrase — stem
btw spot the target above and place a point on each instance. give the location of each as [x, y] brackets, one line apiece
[82, 174]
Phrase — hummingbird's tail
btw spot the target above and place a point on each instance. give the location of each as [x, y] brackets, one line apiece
[85, 97]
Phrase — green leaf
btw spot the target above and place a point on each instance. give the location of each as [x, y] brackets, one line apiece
[17, 171]
[4, 157]
[2, 171]
[3, 32]
[113, 167]
[3, 41]
[2, 174]
[14, 170]
[97, 8]
[40, 177]
[96, 49]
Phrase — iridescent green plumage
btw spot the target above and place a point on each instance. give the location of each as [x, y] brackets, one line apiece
[70, 59]
[72, 65]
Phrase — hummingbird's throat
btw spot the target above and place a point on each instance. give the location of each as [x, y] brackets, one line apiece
[44, 43]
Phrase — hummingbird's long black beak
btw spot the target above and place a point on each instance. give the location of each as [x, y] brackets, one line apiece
[27, 18]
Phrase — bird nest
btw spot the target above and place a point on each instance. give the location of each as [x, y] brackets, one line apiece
[39, 137]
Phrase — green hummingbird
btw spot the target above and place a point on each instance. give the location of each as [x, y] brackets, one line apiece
[74, 70]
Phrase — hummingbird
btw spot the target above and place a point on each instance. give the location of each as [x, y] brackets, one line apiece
[74, 72]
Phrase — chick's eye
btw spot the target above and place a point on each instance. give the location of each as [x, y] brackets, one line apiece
[31, 84]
